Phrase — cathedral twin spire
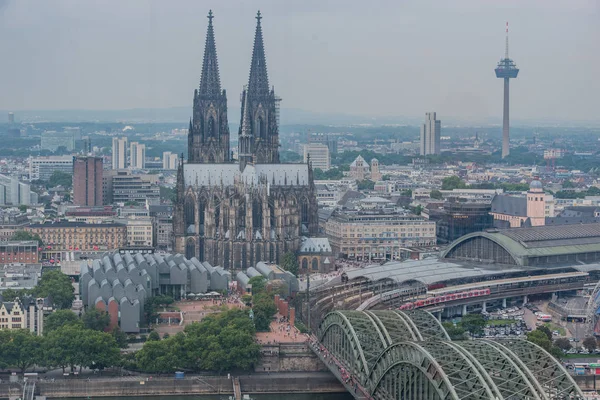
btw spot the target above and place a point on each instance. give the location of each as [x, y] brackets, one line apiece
[258, 83]
[208, 139]
[210, 82]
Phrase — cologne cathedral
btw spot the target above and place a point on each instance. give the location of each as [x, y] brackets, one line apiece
[235, 213]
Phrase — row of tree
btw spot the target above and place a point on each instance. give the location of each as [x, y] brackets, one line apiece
[68, 341]
[472, 324]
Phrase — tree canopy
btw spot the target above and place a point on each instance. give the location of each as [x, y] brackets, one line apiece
[219, 342]
[58, 287]
[452, 182]
[436, 194]
[290, 262]
[61, 178]
[473, 323]
[95, 319]
[60, 318]
[259, 284]
[24, 235]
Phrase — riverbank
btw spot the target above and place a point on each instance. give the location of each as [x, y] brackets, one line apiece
[256, 383]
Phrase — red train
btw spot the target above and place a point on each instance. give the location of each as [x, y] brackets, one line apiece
[444, 298]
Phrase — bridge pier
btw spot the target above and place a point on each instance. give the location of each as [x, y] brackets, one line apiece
[504, 302]
[464, 310]
[439, 316]
[525, 299]
[483, 307]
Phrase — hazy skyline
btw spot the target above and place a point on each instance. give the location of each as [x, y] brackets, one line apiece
[384, 58]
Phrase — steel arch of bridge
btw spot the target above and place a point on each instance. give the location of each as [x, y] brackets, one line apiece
[408, 355]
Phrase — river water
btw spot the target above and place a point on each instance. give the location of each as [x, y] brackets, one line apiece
[290, 396]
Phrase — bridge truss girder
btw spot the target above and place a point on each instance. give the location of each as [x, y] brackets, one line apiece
[548, 372]
[408, 355]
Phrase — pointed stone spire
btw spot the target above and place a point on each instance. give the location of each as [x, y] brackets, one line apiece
[258, 83]
[246, 122]
[245, 142]
[210, 83]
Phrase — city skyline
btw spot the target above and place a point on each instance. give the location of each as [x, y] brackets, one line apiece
[143, 61]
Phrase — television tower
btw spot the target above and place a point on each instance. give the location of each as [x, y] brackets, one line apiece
[506, 69]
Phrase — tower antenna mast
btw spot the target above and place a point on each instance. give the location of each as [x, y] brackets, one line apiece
[506, 51]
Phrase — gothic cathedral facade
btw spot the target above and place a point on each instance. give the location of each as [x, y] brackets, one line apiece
[235, 213]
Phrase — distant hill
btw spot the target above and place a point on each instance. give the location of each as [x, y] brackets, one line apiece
[289, 116]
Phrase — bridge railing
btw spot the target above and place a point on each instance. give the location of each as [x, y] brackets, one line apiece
[352, 384]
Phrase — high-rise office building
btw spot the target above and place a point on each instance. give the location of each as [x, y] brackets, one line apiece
[119, 153]
[11, 118]
[42, 168]
[430, 135]
[170, 160]
[137, 155]
[52, 140]
[87, 181]
[14, 192]
[318, 154]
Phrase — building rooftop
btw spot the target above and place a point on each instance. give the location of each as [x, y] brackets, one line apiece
[68, 224]
[510, 205]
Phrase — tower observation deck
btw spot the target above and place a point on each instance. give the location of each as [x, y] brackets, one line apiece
[506, 69]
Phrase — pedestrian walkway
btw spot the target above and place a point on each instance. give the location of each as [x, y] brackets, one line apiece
[349, 381]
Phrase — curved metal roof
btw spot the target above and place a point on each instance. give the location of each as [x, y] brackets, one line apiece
[542, 241]
[426, 271]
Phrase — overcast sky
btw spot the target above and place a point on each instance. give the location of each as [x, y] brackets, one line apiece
[377, 57]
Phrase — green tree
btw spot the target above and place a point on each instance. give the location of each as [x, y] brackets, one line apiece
[153, 337]
[568, 185]
[221, 342]
[290, 263]
[58, 287]
[563, 344]
[11, 294]
[264, 309]
[366, 184]
[158, 357]
[162, 301]
[24, 235]
[540, 338]
[593, 191]
[456, 332]
[546, 331]
[452, 182]
[120, 337]
[589, 343]
[61, 318]
[61, 178]
[23, 208]
[20, 349]
[436, 194]
[259, 284]
[100, 350]
[473, 323]
[63, 347]
[95, 319]
[407, 193]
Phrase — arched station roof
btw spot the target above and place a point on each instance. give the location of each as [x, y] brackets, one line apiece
[525, 246]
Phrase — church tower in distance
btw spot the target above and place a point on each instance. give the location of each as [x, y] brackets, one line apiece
[259, 132]
[208, 136]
